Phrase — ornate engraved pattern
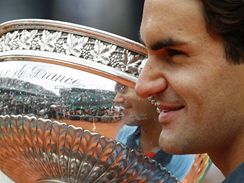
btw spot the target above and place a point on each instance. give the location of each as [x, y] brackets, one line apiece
[74, 45]
[45, 149]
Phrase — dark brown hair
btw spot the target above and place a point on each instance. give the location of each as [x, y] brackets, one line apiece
[224, 18]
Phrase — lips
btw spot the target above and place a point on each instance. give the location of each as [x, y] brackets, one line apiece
[118, 108]
[122, 108]
[165, 106]
[167, 110]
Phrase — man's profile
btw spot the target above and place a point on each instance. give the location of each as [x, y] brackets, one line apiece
[195, 77]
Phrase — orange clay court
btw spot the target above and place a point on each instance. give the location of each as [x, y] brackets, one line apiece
[106, 129]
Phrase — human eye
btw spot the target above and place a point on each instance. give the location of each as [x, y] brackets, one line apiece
[119, 88]
[173, 52]
[175, 56]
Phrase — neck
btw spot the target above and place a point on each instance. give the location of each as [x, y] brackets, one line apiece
[149, 136]
[228, 158]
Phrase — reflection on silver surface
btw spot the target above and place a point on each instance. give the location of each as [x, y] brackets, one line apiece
[46, 149]
[58, 121]
[51, 91]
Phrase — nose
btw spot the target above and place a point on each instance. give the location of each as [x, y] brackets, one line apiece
[151, 80]
[118, 98]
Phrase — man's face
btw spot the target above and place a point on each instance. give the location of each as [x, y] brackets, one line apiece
[136, 110]
[200, 95]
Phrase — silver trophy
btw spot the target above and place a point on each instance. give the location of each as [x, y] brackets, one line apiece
[58, 121]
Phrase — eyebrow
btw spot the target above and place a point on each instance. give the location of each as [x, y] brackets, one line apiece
[164, 43]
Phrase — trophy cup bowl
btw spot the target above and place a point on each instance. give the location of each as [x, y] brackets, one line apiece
[57, 122]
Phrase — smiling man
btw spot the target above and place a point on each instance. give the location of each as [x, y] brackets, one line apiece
[195, 77]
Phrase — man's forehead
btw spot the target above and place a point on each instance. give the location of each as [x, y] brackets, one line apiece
[154, 17]
[167, 20]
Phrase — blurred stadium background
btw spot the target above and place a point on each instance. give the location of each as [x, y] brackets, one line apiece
[121, 17]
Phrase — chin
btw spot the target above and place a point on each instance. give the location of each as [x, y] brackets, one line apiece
[171, 145]
[176, 146]
[171, 149]
[130, 121]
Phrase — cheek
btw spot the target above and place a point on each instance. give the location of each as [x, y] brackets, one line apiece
[189, 89]
[210, 101]
[197, 83]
